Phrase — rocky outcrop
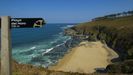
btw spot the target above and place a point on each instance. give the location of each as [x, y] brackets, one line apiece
[117, 34]
[121, 67]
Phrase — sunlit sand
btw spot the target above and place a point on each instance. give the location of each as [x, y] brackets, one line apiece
[86, 58]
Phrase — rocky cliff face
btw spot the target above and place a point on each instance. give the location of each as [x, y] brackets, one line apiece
[117, 34]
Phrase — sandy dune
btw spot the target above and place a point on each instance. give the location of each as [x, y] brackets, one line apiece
[85, 58]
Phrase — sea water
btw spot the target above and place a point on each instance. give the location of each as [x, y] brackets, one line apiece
[29, 45]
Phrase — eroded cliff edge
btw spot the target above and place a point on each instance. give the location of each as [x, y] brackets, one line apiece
[117, 33]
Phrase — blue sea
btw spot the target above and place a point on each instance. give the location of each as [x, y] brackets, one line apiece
[29, 45]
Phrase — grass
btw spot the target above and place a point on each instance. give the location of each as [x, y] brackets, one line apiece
[118, 34]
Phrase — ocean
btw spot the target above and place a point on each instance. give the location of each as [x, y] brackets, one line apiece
[32, 45]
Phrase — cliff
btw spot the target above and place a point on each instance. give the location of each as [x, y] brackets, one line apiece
[117, 33]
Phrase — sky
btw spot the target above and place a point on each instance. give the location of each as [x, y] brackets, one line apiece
[63, 11]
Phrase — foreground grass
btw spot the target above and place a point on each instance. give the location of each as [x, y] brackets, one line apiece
[117, 33]
[25, 69]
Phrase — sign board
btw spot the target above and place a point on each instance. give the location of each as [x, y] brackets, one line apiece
[26, 22]
[6, 23]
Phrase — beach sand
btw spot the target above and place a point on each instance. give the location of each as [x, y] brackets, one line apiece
[86, 58]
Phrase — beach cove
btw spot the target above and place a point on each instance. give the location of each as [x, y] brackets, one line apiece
[87, 57]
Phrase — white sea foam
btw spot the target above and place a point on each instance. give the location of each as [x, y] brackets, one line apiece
[54, 41]
[59, 45]
[47, 50]
[50, 49]
[32, 55]
[32, 47]
[60, 33]
[16, 51]
[40, 47]
[68, 26]
[60, 37]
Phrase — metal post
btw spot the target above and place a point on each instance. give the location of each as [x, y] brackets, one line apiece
[5, 46]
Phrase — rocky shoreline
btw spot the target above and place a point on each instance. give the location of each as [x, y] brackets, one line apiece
[118, 38]
[117, 34]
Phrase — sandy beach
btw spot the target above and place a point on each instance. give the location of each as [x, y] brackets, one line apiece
[86, 58]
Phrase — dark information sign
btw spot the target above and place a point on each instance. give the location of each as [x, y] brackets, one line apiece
[26, 22]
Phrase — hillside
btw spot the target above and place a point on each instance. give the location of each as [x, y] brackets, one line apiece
[117, 33]
[26, 69]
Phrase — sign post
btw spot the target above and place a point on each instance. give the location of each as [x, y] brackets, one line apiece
[26, 22]
[5, 46]
[6, 23]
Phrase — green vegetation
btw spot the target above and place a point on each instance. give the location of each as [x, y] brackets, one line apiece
[114, 16]
[117, 33]
[26, 69]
